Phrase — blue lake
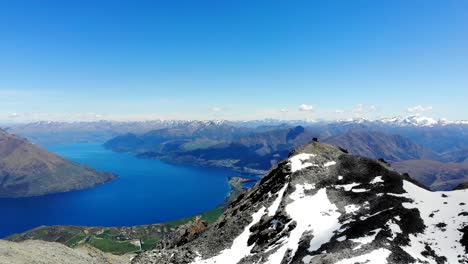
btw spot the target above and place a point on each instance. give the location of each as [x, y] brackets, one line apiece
[146, 191]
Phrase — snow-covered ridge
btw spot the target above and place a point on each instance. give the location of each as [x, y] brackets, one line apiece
[419, 120]
[324, 206]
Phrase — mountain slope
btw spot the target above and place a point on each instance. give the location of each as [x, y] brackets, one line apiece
[379, 145]
[434, 174]
[459, 155]
[325, 206]
[28, 170]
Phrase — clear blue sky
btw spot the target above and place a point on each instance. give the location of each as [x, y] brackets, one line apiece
[233, 59]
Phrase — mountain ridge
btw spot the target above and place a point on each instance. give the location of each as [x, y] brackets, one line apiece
[322, 205]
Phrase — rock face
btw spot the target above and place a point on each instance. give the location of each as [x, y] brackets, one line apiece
[322, 205]
[40, 252]
[28, 170]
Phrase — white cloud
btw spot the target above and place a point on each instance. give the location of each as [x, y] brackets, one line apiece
[306, 108]
[13, 115]
[216, 109]
[284, 110]
[359, 109]
[363, 109]
[419, 109]
[339, 111]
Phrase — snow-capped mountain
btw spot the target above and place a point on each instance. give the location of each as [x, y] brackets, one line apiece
[403, 121]
[322, 205]
[419, 120]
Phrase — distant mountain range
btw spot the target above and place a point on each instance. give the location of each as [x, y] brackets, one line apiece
[256, 149]
[47, 132]
[434, 174]
[28, 170]
[415, 120]
[255, 145]
[50, 133]
[235, 148]
[379, 145]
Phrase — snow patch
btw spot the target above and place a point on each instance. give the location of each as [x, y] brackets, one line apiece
[330, 163]
[308, 186]
[359, 190]
[297, 162]
[239, 248]
[341, 239]
[366, 239]
[351, 208]
[376, 180]
[321, 220]
[394, 228]
[274, 206]
[347, 187]
[444, 241]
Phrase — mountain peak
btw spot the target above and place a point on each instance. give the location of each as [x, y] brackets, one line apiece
[322, 205]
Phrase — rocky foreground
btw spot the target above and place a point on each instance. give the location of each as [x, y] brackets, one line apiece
[40, 252]
[322, 205]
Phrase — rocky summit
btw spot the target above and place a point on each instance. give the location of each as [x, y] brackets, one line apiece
[323, 205]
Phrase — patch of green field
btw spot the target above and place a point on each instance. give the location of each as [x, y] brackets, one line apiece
[72, 242]
[149, 244]
[105, 235]
[39, 234]
[212, 215]
[208, 216]
[178, 222]
[114, 247]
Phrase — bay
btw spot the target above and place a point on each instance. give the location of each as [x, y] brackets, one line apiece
[146, 191]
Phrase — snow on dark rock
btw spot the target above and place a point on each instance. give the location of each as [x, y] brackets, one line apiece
[322, 205]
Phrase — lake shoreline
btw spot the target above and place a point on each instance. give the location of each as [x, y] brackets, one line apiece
[146, 191]
[119, 239]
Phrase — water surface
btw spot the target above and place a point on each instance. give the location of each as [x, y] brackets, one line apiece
[147, 191]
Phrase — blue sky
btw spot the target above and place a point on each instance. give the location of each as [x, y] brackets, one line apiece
[232, 59]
